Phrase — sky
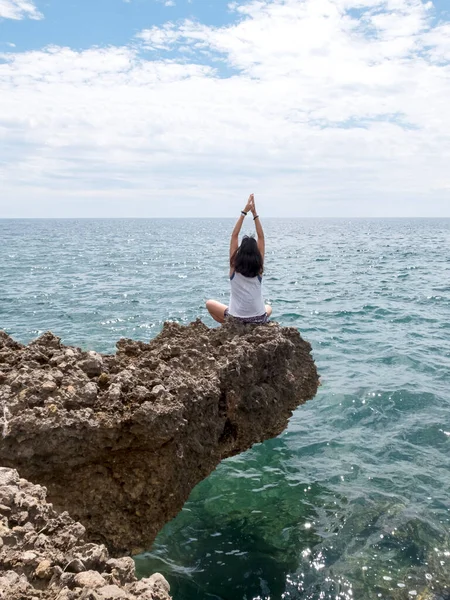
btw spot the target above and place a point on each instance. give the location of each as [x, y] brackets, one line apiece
[182, 108]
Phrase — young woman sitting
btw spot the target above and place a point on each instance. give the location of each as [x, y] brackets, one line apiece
[246, 269]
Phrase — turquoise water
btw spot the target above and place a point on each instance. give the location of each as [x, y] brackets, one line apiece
[352, 501]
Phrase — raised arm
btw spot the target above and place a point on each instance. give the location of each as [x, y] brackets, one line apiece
[234, 242]
[259, 229]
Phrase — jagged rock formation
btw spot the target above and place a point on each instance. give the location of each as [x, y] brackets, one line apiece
[120, 440]
[43, 555]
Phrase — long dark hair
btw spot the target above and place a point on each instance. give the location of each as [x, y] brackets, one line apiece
[247, 259]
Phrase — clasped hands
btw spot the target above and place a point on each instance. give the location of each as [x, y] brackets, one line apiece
[250, 206]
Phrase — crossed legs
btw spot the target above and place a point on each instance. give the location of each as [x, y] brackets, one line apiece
[217, 310]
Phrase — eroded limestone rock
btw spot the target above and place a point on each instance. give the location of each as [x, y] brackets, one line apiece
[120, 440]
[44, 556]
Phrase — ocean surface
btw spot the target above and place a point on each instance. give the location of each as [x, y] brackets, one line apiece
[353, 500]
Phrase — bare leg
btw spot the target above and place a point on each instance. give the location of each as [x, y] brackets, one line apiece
[268, 310]
[216, 310]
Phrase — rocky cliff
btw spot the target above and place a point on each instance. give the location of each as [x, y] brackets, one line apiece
[120, 440]
[43, 554]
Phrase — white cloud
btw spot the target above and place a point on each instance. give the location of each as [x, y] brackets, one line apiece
[19, 9]
[324, 107]
[160, 38]
[437, 41]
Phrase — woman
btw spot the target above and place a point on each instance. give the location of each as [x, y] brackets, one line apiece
[246, 269]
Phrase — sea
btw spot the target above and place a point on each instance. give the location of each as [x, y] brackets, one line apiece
[352, 501]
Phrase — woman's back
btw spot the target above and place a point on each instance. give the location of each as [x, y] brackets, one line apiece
[246, 298]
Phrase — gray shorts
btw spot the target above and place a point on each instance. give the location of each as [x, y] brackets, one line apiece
[255, 320]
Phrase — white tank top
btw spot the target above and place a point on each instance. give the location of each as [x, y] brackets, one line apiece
[246, 299]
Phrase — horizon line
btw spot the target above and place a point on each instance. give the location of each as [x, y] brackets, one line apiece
[209, 218]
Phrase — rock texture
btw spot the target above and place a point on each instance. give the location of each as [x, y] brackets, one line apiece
[120, 440]
[43, 555]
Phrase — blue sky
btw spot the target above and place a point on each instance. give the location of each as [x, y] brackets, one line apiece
[162, 107]
[87, 23]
